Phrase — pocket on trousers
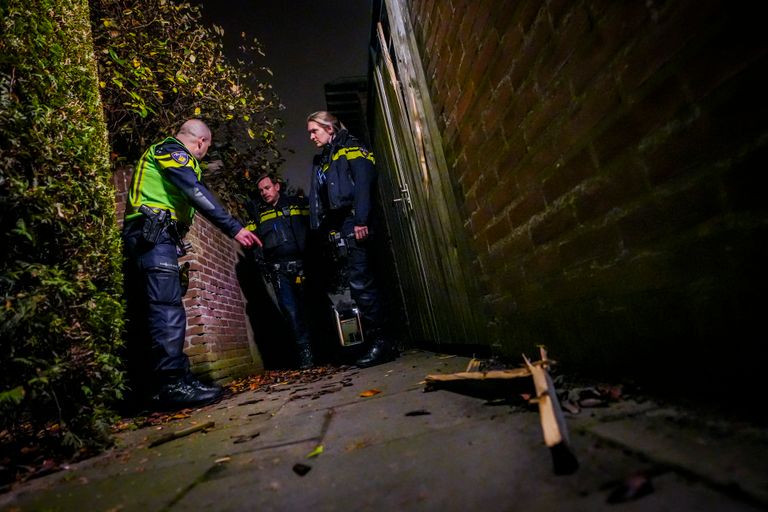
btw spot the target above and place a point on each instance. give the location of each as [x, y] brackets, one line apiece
[163, 286]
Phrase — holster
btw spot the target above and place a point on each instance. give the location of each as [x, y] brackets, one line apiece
[154, 223]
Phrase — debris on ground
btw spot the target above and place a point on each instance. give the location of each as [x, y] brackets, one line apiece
[26, 464]
[170, 436]
[269, 381]
[552, 419]
[316, 452]
[301, 469]
[632, 488]
[499, 385]
[513, 373]
[575, 398]
[271, 378]
[490, 380]
[245, 438]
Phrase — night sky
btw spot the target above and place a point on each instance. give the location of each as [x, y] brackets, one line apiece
[307, 43]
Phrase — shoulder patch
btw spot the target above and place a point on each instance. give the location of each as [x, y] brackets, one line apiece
[180, 157]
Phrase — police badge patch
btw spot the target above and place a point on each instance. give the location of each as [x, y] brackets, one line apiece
[180, 157]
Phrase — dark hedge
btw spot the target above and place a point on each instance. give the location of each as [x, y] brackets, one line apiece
[60, 281]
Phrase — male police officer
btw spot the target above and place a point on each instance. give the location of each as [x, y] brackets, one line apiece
[281, 223]
[164, 195]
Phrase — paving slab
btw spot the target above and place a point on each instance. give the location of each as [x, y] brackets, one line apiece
[406, 449]
[733, 457]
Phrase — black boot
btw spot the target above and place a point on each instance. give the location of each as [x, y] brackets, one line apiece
[306, 360]
[182, 393]
[202, 386]
[381, 351]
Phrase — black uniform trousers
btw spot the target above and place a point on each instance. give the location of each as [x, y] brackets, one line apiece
[291, 299]
[156, 317]
[357, 270]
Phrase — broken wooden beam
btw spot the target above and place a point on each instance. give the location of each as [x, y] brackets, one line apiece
[473, 373]
[552, 419]
[478, 375]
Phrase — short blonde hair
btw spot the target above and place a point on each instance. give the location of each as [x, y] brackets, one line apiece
[325, 118]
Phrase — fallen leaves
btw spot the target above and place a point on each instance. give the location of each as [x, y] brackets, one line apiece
[369, 393]
[271, 378]
[316, 452]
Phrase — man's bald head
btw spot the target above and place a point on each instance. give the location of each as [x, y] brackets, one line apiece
[196, 136]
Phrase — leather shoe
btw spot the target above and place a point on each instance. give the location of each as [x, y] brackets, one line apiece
[181, 394]
[381, 351]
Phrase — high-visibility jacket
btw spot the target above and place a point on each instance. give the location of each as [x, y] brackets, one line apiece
[343, 177]
[167, 177]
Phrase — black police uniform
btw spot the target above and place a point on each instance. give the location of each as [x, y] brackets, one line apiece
[341, 197]
[282, 229]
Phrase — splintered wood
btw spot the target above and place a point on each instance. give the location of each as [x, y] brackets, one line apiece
[473, 372]
[552, 419]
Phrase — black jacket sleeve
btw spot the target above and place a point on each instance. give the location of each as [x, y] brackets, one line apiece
[185, 179]
[364, 176]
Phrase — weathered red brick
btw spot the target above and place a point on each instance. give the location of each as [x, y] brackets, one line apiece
[553, 223]
[525, 207]
[559, 51]
[551, 107]
[565, 176]
[543, 262]
[510, 41]
[589, 244]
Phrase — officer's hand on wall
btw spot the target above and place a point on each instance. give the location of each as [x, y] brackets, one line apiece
[247, 238]
[361, 232]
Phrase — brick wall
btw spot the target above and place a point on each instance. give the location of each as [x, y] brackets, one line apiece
[219, 342]
[606, 156]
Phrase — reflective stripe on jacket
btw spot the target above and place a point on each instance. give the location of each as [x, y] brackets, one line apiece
[168, 177]
[282, 228]
[345, 172]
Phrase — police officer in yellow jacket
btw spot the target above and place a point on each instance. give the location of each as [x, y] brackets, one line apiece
[281, 222]
[165, 193]
[340, 201]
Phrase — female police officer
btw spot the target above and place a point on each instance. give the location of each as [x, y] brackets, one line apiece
[340, 199]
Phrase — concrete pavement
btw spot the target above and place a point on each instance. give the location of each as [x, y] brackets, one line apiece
[406, 449]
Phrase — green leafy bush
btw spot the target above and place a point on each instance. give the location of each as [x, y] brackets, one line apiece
[60, 268]
[60, 285]
[159, 65]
